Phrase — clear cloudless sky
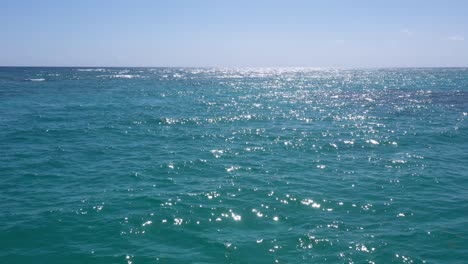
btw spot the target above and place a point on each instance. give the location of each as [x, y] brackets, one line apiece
[322, 33]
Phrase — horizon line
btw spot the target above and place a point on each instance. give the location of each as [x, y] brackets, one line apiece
[245, 67]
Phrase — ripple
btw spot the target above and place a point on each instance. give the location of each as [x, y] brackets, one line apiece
[178, 165]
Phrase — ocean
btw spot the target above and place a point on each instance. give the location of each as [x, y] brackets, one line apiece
[248, 165]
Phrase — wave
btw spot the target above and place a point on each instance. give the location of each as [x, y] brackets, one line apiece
[92, 70]
[122, 76]
[37, 80]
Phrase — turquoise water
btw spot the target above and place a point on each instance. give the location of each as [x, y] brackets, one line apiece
[169, 165]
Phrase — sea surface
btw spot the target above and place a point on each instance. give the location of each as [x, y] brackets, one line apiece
[213, 165]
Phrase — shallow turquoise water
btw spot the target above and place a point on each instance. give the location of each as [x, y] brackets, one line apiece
[168, 165]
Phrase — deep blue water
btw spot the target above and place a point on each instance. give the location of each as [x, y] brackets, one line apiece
[169, 165]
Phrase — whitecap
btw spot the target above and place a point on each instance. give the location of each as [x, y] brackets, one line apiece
[122, 76]
[92, 70]
[37, 80]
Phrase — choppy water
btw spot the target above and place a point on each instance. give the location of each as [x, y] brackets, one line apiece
[168, 165]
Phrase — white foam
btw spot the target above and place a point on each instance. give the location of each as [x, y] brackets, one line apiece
[122, 76]
[92, 70]
[37, 80]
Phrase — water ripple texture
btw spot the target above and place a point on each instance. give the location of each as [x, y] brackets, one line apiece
[212, 165]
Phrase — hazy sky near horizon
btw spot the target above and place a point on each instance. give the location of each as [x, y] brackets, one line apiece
[326, 33]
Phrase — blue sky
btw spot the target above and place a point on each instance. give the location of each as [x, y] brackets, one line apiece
[326, 33]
